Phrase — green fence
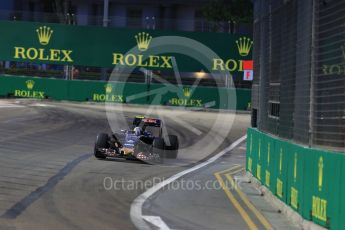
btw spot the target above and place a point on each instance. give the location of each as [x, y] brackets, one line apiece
[308, 180]
[118, 92]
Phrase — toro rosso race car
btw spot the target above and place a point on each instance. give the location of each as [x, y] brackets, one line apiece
[143, 142]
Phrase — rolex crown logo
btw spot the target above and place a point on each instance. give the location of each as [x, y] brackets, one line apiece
[186, 92]
[321, 166]
[44, 34]
[30, 84]
[244, 46]
[143, 40]
[108, 88]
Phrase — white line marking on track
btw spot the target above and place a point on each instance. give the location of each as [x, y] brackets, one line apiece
[42, 105]
[11, 106]
[136, 208]
[157, 221]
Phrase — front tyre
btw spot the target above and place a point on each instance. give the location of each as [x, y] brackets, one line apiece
[101, 142]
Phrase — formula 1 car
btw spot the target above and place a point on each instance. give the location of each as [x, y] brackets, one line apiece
[144, 142]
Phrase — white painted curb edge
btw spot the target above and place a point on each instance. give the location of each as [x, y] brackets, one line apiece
[136, 207]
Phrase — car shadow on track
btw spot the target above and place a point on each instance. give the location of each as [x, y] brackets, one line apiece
[129, 161]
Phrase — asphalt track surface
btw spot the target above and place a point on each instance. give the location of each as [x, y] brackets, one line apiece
[49, 178]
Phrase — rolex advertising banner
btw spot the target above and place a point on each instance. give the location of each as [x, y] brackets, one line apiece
[122, 48]
[120, 92]
[308, 180]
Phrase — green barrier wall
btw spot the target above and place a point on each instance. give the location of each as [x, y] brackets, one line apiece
[308, 180]
[117, 92]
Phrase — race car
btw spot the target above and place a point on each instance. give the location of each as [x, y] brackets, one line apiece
[144, 142]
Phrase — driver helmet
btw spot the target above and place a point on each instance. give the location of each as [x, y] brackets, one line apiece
[137, 131]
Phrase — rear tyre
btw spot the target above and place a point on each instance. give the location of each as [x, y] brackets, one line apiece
[172, 147]
[159, 147]
[101, 142]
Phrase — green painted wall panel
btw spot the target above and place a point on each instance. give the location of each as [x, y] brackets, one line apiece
[255, 152]
[281, 150]
[136, 93]
[249, 157]
[308, 180]
[119, 92]
[342, 197]
[245, 99]
[296, 177]
[84, 90]
[265, 160]
[323, 189]
[34, 87]
[260, 158]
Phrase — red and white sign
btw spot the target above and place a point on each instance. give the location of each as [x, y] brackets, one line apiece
[248, 70]
[248, 75]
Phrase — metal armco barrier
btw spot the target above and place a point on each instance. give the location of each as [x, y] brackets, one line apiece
[120, 92]
[308, 180]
